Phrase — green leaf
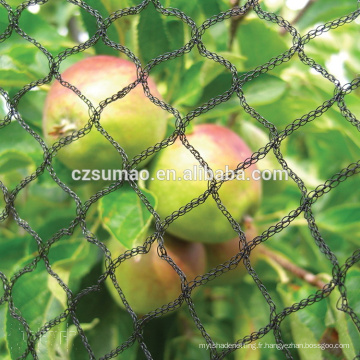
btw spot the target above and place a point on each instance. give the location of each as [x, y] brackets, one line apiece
[14, 3]
[348, 334]
[353, 103]
[71, 260]
[14, 167]
[190, 8]
[29, 57]
[326, 158]
[311, 257]
[211, 69]
[152, 37]
[185, 347]
[49, 193]
[12, 250]
[125, 216]
[73, 333]
[42, 308]
[175, 32]
[12, 160]
[341, 219]
[259, 42]
[4, 352]
[216, 37]
[306, 324]
[312, 316]
[222, 110]
[352, 285]
[326, 10]
[218, 86]
[259, 92]
[4, 21]
[173, 69]
[15, 138]
[12, 76]
[210, 7]
[36, 26]
[263, 90]
[253, 135]
[222, 308]
[191, 90]
[112, 325]
[91, 27]
[250, 314]
[31, 108]
[298, 99]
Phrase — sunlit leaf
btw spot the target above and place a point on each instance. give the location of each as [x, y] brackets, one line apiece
[92, 27]
[259, 43]
[125, 216]
[151, 34]
[12, 160]
[302, 323]
[37, 305]
[190, 91]
[326, 10]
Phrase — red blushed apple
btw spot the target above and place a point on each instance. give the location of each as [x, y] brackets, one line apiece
[222, 149]
[133, 121]
[148, 281]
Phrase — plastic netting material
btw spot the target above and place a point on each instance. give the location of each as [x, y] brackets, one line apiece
[195, 44]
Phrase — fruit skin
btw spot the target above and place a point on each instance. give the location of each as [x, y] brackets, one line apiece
[133, 121]
[148, 282]
[219, 146]
[218, 254]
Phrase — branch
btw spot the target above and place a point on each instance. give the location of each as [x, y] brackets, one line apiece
[235, 21]
[294, 269]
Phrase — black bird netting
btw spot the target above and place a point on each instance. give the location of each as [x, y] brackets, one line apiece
[196, 43]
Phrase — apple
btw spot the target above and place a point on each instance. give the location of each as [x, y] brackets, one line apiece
[218, 254]
[223, 150]
[133, 121]
[148, 281]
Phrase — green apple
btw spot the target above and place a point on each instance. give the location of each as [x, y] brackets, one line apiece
[133, 121]
[181, 180]
[148, 281]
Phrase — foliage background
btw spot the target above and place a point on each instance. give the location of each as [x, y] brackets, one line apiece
[317, 151]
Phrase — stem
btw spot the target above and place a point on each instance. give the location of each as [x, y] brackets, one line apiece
[299, 272]
[235, 21]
